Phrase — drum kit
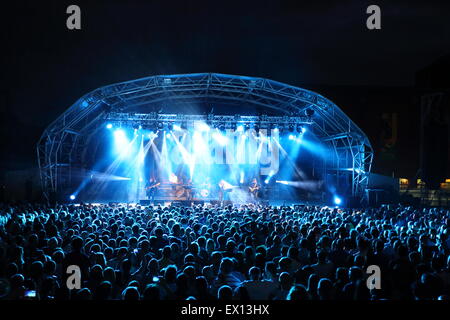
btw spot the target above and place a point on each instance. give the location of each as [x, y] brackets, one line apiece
[182, 191]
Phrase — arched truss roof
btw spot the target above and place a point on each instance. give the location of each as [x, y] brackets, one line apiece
[58, 145]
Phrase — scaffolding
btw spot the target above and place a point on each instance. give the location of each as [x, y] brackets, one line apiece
[63, 144]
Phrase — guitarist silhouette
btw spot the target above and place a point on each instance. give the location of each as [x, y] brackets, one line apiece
[254, 189]
[151, 188]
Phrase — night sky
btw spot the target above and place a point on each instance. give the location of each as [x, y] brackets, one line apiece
[47, 67]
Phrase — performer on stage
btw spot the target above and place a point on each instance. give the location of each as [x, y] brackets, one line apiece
[188, 188]
[254, 189]
[224, 190]
[220, 191]
[151, 188]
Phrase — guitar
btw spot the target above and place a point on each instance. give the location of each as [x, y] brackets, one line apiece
[153, 186]
[253, 189]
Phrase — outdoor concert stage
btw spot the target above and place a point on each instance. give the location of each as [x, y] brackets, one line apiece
[204, 137]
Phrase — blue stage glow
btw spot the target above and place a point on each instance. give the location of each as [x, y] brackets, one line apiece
[269, 177]
[109, 126]
[240, 128]
[221, 139]
[176, 127]
[337, 200]
[120, 139]
[276, 130]
[291, 137]
[203, 127]
[72, 197]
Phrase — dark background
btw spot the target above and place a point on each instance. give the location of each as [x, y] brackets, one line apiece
[324, 47]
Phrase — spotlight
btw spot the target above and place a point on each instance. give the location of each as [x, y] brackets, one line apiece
[291, 137]
[276, 130]
[176, 127]
[337, 200]
[119, 134]
[203, 127]
[240, 128]
[72, 197]
[109, 126]
[269, 177]
[221, 139]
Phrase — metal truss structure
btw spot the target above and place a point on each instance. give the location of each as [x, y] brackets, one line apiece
[62, 145]
[157, 121]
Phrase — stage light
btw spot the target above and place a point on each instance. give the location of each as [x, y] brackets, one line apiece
[337, 200]
[176, 127]
[221, 139]
[168, 135]
[269, 177]
[72, 197]
[303, 129]
[240, 128]
[203, 127]
[173, 178]
[276, 130]
[119, 134]
[291, 137]
[109, 126]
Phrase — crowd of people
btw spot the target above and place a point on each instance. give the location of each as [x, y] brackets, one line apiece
[241, 252]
